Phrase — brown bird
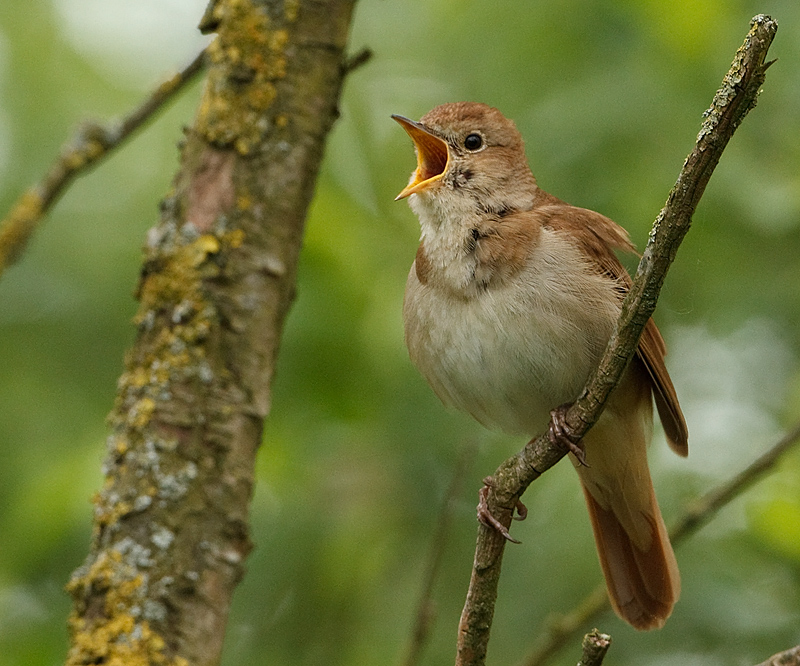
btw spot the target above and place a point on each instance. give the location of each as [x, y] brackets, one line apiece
[509, 305]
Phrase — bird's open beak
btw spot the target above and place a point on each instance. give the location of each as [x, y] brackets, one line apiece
[432, 157]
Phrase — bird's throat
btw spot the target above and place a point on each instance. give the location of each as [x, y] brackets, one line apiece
[446, 257]
[467, 250]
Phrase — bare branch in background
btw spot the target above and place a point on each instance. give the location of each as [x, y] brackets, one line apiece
[787, 658]
[563, 630]
[92, 143]
[426, 611]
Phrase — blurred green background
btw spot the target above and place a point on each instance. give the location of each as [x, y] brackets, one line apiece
[358, 452]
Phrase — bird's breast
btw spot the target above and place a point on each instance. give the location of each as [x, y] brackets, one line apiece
[508, 353]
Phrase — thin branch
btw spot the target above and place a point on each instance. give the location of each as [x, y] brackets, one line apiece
[92, 143]
[707, 506]
[787, 658]
[595, 646]
[730, 105]
[358, 60]
[426, 612]
[698, 514]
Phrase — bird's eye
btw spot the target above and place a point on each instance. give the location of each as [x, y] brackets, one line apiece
[473, 142]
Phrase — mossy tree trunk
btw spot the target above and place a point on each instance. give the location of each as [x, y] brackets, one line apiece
[171, 521]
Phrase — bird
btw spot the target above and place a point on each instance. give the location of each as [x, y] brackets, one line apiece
[509, 304]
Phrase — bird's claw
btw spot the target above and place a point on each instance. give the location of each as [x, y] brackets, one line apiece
[561, 434]
[485, 516]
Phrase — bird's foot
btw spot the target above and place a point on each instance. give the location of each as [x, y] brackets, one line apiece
[561, 434]
[485, 515]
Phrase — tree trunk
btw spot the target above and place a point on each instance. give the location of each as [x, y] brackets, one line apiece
[171, 521]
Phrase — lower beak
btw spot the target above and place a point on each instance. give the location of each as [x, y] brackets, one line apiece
[432, 157]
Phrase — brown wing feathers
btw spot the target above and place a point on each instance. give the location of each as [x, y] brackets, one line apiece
[652, 350]
[599, 237]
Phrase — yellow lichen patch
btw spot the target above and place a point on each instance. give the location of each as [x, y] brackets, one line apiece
[178, 281]
[247, 58]
[106, 515]
[260, 97]
[175, 352]
[17, 228]
[117, 635]
[204, 246]
[278, 39]
[244, 202]
[139, 415]
[139, 377]
[77, 158]
[291, 9]
[175, 320]
[168, 86]
[235, 238]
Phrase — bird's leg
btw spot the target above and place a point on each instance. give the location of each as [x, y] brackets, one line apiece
[561, 434]
[485, 515]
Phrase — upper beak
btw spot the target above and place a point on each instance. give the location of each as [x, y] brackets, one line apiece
[432, 157]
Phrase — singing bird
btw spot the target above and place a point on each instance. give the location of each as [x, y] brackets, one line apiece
[509, 305]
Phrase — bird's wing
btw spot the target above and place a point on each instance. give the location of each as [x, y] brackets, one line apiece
[598, 237]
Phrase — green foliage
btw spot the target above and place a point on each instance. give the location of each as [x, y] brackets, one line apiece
[358, 452]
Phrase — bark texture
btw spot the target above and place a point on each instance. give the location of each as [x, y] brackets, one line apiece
[171, 521]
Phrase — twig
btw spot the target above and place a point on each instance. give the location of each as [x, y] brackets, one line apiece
[707, 506]
[730, 105]
[787, 658]
[563, 630]
[425, 614]
[698, 514]
[595, 646]
[92, 143]
[360, 59]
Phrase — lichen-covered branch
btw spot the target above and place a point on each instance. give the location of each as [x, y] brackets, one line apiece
[170, 527]
[699, 513]
[788, 658]
[730, 105]
[92, 143]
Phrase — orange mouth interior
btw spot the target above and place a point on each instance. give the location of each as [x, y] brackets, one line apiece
[432, 157]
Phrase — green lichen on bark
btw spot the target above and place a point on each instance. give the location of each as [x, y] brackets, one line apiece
[247, 59]
[18, 227]
[761, 27]
[124, 637]
[170, 526]
[152, 469]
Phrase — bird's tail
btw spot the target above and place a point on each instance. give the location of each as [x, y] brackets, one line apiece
[640, 571]
[632, 542]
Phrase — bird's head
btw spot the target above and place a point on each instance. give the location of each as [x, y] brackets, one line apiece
[470, 147]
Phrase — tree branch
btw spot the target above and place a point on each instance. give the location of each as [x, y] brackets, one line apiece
[359, 59]
[693, 518]
[730, 105]
[170, 526]
[704, 509]
[423, 619]
[92, 143]
[595, 646]
[788, 658]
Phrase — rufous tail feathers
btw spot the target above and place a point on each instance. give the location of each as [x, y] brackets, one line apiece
[643, 582]
[632, 542]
